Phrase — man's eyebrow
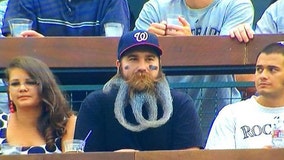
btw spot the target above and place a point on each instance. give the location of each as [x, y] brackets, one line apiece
[152, 55]
[274, 66]
[131, 55]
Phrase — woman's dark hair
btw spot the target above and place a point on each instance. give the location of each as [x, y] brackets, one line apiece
[55, 108]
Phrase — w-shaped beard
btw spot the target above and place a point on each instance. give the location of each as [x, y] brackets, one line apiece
[132, 92]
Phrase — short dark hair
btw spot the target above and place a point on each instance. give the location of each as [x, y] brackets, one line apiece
[272, 48]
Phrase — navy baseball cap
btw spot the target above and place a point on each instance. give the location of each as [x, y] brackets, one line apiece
[138, 38]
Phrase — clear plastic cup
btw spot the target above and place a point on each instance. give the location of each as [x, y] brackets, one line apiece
[173, 19]
[18, 25]
[74, 146]
[113, 29]
[7, 149]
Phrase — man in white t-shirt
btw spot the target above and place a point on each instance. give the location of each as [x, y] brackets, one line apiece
[248, 124]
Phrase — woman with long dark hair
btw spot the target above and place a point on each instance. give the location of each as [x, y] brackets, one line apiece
[40, 115]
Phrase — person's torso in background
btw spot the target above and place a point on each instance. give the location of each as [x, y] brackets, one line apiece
[69, 17]
[3, 6]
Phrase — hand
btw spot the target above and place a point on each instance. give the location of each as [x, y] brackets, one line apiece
[164, 29]
[243, 33]
[31, 33]
[158, 29]
[179, 30]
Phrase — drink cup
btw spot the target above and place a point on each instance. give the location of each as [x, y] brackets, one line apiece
[113, 29]
[18, 25]
[173, 19]
[7, 149]
[74, 146]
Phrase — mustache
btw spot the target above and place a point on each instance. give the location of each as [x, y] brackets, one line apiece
[141, 82]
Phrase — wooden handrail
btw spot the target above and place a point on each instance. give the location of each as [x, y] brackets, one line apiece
[97, 52]
[93, 58]
[74, 156]
[240, 154]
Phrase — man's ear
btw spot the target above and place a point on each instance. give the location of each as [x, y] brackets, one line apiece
[118, 64]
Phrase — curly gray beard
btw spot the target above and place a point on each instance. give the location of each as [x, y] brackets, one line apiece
[137, 100]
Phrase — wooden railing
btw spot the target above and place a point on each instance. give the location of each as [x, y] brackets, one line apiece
[100, 52]
[93, 58]
[244, 154]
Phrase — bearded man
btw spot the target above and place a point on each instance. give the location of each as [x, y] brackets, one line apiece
[136, 109]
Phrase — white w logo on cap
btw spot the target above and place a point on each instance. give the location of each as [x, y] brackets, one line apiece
[141, 36]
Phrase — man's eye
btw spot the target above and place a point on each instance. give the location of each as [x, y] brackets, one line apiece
[258, 69]
[132, 59]
[273, 69]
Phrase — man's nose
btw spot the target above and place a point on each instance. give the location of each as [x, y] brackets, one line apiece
[143, 66]
[264, 73]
